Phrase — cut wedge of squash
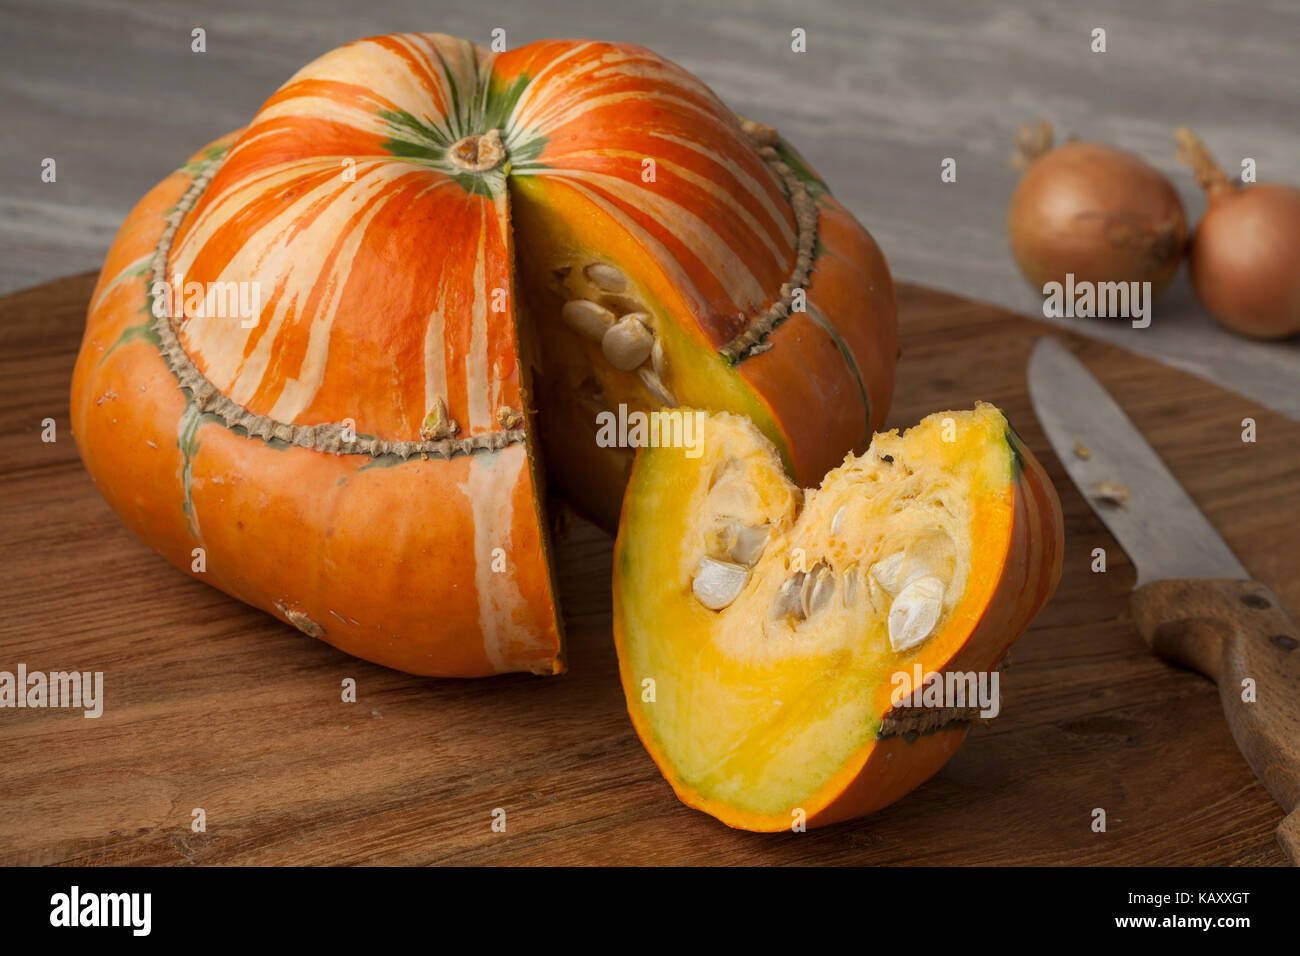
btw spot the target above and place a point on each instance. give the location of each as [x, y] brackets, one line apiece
[763, 632]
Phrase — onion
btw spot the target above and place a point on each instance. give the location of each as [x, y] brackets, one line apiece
[1245, 257]
[1094, 211]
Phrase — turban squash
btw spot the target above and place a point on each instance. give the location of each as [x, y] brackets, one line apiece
[762, 670]
[457, 258]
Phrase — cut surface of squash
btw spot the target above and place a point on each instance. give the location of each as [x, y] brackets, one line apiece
[769, 622]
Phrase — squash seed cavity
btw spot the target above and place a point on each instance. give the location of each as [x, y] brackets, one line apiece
[599, 306]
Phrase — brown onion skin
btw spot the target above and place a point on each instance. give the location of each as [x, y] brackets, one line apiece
[1089, 209]
[1245, 259]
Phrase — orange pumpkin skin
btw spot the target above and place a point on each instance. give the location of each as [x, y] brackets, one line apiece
[292, 531]
[831, 391]
[391, 295]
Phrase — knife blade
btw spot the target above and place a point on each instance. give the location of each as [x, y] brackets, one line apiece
[1194, 603]
[1161, 529]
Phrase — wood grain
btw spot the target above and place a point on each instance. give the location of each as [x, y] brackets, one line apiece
[1236, 634]
[211, 704]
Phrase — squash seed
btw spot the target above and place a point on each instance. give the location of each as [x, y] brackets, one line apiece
[818, 596]
[1110, 492]
[894, 573]
[605, 277]
[786, 603]
[837, 522]
[814, 593]
[730, 493]
[850, 590]
[745, 544]
[915, 612]
[628, 342]
[587, 318]
[718, 583]
[656, 386]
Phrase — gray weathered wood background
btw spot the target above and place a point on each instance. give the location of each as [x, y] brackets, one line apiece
[885, 91]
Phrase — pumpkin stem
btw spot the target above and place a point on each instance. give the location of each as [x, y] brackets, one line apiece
[478, 153]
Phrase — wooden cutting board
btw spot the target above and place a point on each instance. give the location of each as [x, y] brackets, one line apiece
[212, 705]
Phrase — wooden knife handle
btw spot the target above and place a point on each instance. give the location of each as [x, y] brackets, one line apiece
[1236, 632]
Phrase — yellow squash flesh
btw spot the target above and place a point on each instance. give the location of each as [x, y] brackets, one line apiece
[763, 717]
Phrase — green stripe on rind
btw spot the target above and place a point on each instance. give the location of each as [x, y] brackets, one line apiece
[1015, 443]
[499, 112]
[499, 108]
[385, 461]
[455, 95]
[522, 157]
[490, 108]
[136, 270]
[144, 332]
[799, 166]
[848, 359]
[423, 140]
[205, 159]
[187, 440]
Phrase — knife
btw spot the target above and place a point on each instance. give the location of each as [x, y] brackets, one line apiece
[1194, 604]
